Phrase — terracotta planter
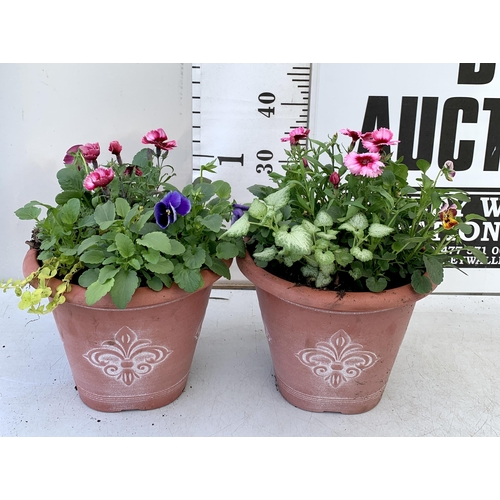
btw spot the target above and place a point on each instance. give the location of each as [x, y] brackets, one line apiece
[136, 358]
[331, 353]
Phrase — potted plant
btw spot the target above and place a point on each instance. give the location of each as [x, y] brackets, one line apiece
[339, 252]
[126, 262]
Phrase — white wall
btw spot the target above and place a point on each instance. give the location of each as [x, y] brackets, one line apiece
[46, 108]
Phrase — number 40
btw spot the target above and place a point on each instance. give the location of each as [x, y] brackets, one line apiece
[267, 98]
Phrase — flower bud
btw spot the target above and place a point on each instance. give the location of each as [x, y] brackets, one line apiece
[115, 147]
[335, 180]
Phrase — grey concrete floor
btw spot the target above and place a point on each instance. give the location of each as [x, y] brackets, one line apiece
[445, 382]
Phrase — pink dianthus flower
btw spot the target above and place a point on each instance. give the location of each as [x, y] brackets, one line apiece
[100, 177]
[365, 164]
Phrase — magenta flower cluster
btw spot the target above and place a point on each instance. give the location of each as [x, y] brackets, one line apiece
[167, 210]
[101, 176]
[367, 164]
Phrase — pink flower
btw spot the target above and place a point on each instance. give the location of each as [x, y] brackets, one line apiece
[115, 147]
[296, 135]
[159, 139]
[351, 133]
[335, 180]
[70, 158]
[90, 151]
[375, 141]
[365, 164]
[98, 178]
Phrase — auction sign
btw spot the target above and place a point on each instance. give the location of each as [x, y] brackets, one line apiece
[438, 112]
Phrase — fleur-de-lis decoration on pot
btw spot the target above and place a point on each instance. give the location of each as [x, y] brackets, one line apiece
[126, 358]
[338, 360]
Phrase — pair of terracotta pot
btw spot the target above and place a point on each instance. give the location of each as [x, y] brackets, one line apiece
[330, 353]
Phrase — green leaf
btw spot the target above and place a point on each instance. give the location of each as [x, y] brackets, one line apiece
[434, 269]
[166, 279]
[477, 253]
[421, 283]
[106, 273]
[88, 277]
[258, 209]
[157, 241]
[70, 211]
[239, 228]
[218, 267]
[155, 283]
[131, 214]
[213, 222]
[89, 242]
[163, 266]
[97, 291]
[279, 198]
[141, 222]
[376, 285]
[122, 207]
[222, 189]
[64, 196]
[189, 280]
[266, 255]
[324, 258]
[377, 230]
[323, 219]
[92, 257]
[359, 221]
[152, 256]
[297, 241]
[176, 248]
[28, 212]
[70, 178]
[194, 260]
[126, 283]
[142, 158]
[423, 165]
[105, 214]
[227, 250]
[125, 245]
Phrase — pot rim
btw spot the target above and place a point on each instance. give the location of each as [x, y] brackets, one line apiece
[326, 299]
[142, 297]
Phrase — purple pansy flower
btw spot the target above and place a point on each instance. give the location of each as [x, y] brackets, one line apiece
[173, 204]
[238, 211]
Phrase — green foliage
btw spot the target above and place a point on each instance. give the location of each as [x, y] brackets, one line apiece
[108, 241]
[375, 230]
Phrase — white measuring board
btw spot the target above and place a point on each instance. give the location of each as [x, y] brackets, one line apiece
[240, 114]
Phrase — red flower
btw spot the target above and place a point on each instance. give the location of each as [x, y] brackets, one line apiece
[159, 139]
[98, 178]
[90, 151]
[115, 147]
